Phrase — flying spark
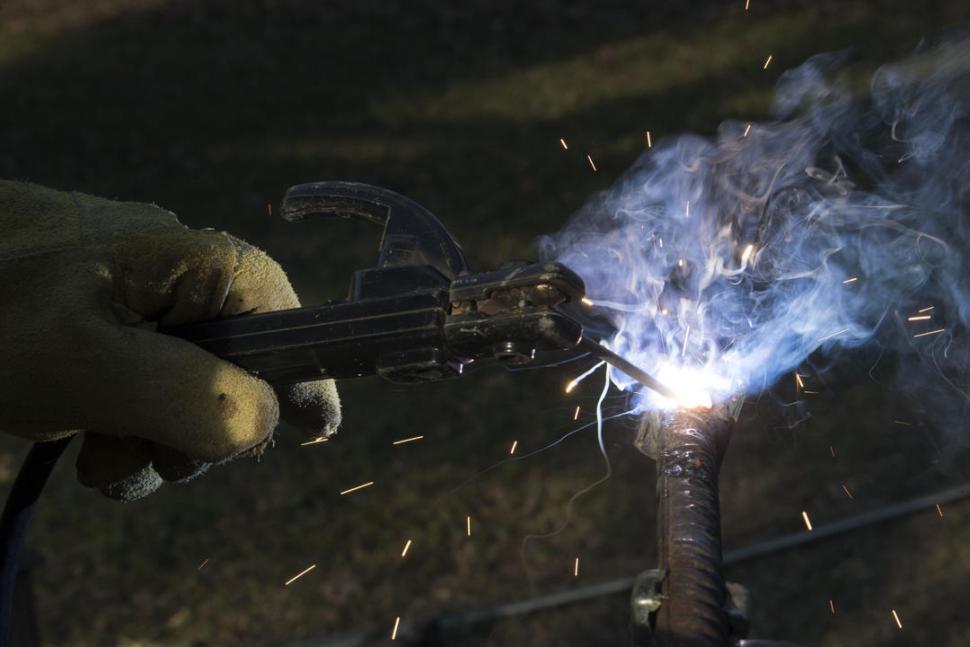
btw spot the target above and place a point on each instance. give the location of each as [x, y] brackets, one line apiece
[746, 254]
[269, 208]
[931, 332]
[300, 574]
[407, 440]
[315, 441]
[832, 451]
[687, 210]
[649, 142]
[586, 301]
[468, 525]
[357, 487]
[919, 318]
[834, 334]
[939, 510]
[747, 4]
[832, 606]
[576, 568]
[747, 129]
[926, 309]
[845, 488]
[903, 423]
[808, 522]
[850, 280]
[798, 381]
[565, 146]
[407, 546]
[397, 623]
[591, 163]
[582, 376]
[767, 62]
[515, 444]
[207, 561]
[576, 413]
[899, 622]
[807, 392]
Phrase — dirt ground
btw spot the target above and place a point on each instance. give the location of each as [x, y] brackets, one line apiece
[212, 108]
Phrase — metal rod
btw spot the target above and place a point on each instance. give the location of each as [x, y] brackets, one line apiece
[633, 371]
[693, 612]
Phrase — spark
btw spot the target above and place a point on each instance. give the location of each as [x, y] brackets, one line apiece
[899, 623]
[315, 441]
[407, 440]
[664, 311]
[586, 301]
[687, 210]
[468, 525]
[807, 392]
[572, 384]
[397, 623]
[834, 334]
[747, 129]
[680, 262]
[926, 309]
[747, 4]
[565, 146]
[767, 62]
[591, 163]
[850, 280]
[832, 606]
[357, 487]
[683, 352]
[515, 444]
[576, 413]
[939, 510]
[845, 488]
[903, 423]
[269, 208]
[576, 568]
[808, 522]
[832, 451]
[919, 318]
[798, 381]
[207, 561]
[661, 241]
[407, 546]
[300, 574]
[930, 332]
[649, 142]
[746, 254]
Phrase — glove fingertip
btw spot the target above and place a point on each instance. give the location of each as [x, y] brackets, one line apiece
[311, 407]
[135, 486]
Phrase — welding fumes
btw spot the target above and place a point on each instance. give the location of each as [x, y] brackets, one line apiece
[725, 262]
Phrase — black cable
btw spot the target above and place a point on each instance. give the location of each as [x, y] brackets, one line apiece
[16, 517]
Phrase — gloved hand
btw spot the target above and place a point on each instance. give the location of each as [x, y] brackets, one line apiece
[84, 282]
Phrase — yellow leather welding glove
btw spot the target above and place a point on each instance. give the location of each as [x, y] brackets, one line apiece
[83, 282]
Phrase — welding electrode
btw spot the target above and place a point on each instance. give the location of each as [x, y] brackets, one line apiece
[616, 361]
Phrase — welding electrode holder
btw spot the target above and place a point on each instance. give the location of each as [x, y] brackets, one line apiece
[419, 315]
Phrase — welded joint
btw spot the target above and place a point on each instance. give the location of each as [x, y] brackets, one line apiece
[647, 598]
[651, 423]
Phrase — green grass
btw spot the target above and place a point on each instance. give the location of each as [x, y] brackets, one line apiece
[212, 109]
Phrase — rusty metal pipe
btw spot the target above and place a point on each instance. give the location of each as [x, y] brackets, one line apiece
[690, 445]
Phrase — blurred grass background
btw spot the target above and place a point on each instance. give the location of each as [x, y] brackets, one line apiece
[212, 108]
